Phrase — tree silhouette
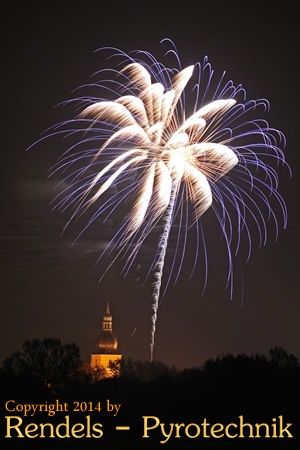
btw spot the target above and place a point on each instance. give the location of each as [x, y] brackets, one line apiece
[47, 360]
[281, 359]
[143, 371]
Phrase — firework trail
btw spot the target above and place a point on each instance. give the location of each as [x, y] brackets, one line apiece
[174, 165]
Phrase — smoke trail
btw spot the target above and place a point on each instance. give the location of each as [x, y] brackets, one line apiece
[159, 265]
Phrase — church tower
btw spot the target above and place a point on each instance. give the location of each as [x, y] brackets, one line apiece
[106, 348]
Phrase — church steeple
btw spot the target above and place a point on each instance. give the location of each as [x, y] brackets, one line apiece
[106, 342]
[107, 319]
[106, 349]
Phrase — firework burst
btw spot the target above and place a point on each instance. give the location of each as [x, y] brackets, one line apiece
[140, 142]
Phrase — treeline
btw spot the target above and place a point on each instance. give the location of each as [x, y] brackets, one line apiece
[55, 365]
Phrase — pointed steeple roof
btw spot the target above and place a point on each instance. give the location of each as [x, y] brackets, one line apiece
[106, 342]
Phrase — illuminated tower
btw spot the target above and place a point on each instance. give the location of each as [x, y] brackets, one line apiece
[106, 348]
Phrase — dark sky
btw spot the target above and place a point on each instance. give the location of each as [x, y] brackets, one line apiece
[50, 288]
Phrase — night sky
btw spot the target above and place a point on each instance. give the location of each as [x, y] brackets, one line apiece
[50, 288]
